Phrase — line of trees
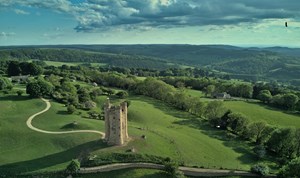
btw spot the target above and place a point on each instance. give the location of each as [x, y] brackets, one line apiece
[272, 95]
[16, 68]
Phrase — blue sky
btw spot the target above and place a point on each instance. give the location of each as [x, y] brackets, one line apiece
[234, 22]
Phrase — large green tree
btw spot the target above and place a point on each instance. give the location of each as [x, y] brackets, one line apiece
[237, 123]
[290, 100]
[283, 142]
[259, 131]
[265, 96]
[214, 109]
[292, 169]
[14, 68]
[5, 83]
[39, 88]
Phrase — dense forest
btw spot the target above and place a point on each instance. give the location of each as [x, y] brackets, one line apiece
[67, 55]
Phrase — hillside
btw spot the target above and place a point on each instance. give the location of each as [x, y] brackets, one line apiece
[276, 63]
[71, 55]
[196, 55]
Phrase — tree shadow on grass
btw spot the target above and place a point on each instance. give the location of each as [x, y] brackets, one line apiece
[62, 113]
[51, 160]
[229, 140]
[14, 98]
[168, 110]
[187, 119]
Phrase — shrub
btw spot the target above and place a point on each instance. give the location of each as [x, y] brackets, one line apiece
[71, 109]
[88, 105]
[172, 170]
[260, 169]
[73, 167]
[122, 94]
[292, 169]
[20, 92]
[5, 83]
[94, 115]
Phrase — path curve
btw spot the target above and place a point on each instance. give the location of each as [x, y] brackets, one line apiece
[48, 106]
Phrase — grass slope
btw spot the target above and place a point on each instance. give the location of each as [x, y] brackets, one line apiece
[57, 119]
[169, 133]
[258, 112]
[24, 150]
[179, 135]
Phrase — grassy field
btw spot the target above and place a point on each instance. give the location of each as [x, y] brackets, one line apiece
[195, 93]
[258, 112]
[57, 119]
[58, 64]
[169, 133]
[24, 150]
[179, 135]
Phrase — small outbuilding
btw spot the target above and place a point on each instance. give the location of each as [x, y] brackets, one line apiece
[223, 95]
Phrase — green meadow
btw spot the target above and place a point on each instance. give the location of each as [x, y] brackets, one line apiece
[169, 133]
[24, 150]
[58, 64]
[181, 136]
[195, 93]
[257, 111]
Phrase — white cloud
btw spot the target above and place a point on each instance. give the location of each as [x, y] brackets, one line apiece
[7, 34]
[21, 12]
[95, 15]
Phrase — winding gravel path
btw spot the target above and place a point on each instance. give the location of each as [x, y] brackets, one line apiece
[188, 171]
[48, 106]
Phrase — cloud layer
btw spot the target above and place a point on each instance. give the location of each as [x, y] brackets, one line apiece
[97, 15]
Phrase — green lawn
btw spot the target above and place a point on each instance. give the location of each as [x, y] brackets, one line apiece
[57, 119]
[141, 78]
[257, 112]
[169, 133]
[58, 64]
[195, 93]
[181, 136]
[24, 150]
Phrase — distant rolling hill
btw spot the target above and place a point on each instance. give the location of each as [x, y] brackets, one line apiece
[285, 51]
[275, 63]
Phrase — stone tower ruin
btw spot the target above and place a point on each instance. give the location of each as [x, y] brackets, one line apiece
[116, 123]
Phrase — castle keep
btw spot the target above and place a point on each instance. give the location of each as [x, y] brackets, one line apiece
[116, 123]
